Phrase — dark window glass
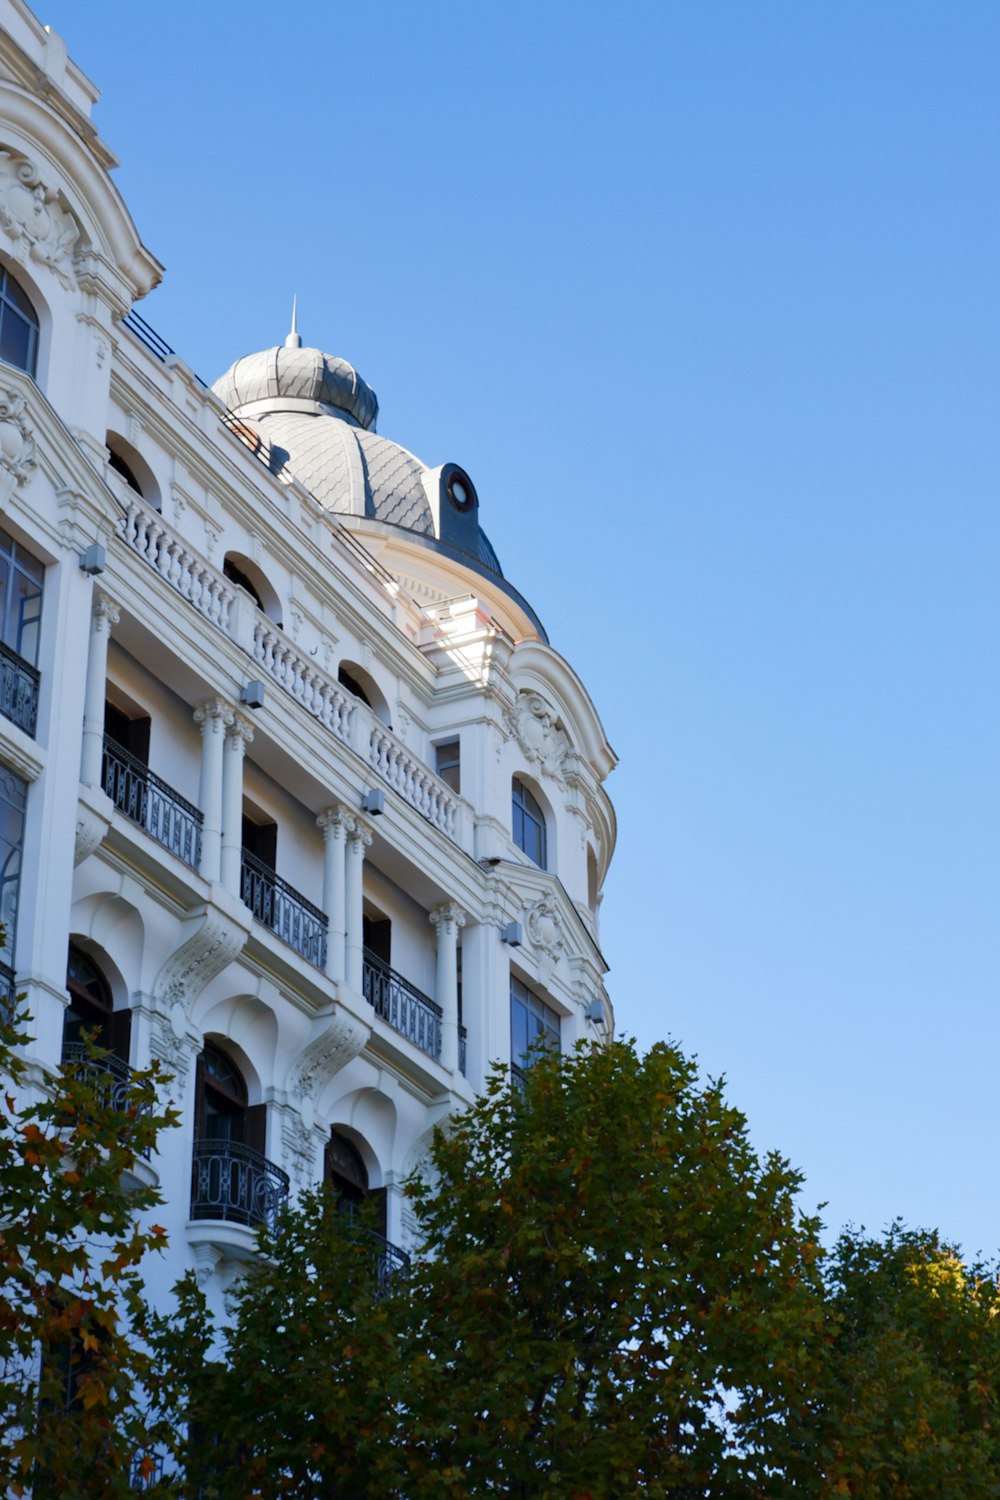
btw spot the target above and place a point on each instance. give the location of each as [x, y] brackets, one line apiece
[18, 325]
[236, 575]
[21, 578]
[13, 799]
[224, 1101]
[528, 823]
[533, 1024]
[351, 683]
[448, 764]
[261, 840]
[121, 467]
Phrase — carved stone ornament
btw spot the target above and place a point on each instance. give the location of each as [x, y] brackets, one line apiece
[93, 819]
[542, 741]
[17, 445]
[36, 219]
[302, 1144]
[172, 1043]
[213, 945]
[343, 1036]
[545, 932]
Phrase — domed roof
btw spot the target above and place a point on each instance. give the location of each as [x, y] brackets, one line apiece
[317, 417]
[290, 373]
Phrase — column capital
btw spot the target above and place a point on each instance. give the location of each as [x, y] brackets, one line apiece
[359, 833]
[447, 917]
[214, 716]
[239, 731]
[105, 613]
[336, 821]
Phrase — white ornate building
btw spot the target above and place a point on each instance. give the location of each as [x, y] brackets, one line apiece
[295, 794]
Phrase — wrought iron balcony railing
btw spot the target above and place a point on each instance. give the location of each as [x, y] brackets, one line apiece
[233, 1182]
[8, 992]
[463, 1039]
[407, 1010]
[151, 804]
[18, 690]
[389, 1260]
[295, 920]
[109, 1076]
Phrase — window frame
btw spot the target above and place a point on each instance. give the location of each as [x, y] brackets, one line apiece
[527, 813]
[547, 1028]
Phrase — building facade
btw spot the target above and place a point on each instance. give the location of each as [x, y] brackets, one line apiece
[296, 795]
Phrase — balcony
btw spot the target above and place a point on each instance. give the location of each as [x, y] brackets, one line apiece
[233, 1183]
[408, 1011]
[288, 914]
[108, 1076]
[152, 805]
[388, 1259]
[18, 690]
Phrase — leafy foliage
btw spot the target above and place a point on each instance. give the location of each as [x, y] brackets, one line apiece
[72, 1238]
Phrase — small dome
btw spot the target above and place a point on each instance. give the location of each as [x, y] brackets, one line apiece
[288, 373]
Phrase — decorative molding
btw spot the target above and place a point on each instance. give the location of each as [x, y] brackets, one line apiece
[17, 444]
[543, 741]
[448, 917]
[93, 819]
[301, 1143]
[546, 934]
[214, 716]
[214, 944]
[105, 614]
[336, 821]
[342, 1038]
[172, 1042]
[36, 218]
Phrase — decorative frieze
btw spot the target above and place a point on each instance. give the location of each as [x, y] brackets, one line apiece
[542, 739]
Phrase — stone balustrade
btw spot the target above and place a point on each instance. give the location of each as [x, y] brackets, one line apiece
[145, 531]
[210, 593]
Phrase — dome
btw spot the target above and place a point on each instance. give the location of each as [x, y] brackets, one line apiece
[289, 373]
[316, 417]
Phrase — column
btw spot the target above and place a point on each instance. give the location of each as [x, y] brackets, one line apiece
[239, 734]
[213, 719]
[446, 921]
[103, 615]
[358, 839]
[335, 823]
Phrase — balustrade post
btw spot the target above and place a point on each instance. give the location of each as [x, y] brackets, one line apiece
[446, 921]
[335, 823]
[103, 615]
[213, 719]
[239, 734]
[358, 840]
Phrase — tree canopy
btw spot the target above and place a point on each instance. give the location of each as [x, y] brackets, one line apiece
[616, 1294]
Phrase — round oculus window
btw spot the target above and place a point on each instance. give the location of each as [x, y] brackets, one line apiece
[460, 489]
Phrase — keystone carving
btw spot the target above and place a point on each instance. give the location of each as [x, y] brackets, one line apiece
[35, 218]
[545, 932]
[543, 742]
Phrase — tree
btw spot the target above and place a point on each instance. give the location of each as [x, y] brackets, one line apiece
[72, 1239]
[908, 1399]
[618, 1297]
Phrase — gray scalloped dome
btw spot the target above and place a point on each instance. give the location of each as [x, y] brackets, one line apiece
[296, 374]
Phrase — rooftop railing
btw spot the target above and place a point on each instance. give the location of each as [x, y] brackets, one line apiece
[151, 804]
[407, 1010]
[18, 690]
[282, 908]
[234, 1183]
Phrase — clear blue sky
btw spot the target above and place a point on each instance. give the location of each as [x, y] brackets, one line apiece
[704, 296]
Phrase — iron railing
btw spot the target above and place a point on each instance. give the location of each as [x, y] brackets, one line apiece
[463, 1040]
[18, 690]
[233, 1182]
[295, 920]
[389, 1260]
[109, 1076]
[407, 1010]
[8, 992]
[151, 804]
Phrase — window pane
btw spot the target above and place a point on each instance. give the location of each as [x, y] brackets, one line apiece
[27, 609]
[15, 340]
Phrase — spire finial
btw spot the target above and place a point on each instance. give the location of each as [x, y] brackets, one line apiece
[294, 339]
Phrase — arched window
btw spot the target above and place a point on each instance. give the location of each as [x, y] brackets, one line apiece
[18, 325]
[528, 823]
[223, 1098]
[361, 684]
[246, 575]
[347, 1175]
[91, 1009]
